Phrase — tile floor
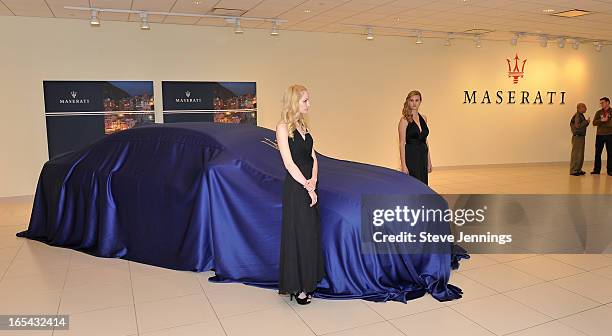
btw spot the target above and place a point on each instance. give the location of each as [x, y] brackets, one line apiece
[504, 294]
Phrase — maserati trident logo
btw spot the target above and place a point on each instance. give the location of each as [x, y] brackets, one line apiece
[515, 72]
[187, 93]
[73, 94]
[270, 142]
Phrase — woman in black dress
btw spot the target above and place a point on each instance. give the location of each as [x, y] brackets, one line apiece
[301, 255]
[413, 132]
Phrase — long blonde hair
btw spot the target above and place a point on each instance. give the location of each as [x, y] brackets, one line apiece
[290, 114]
[406, 110]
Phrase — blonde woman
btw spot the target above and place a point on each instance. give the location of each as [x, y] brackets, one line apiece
[301, 255]
[413, 132]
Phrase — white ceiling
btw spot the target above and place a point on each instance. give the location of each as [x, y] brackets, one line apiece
[389, 17]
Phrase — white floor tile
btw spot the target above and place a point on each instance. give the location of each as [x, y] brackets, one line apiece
[96, 276]
[166, 286]
[168, 313]
[380, 328]
[605, 272]
[80, 260]
[279, 321]
[95, 297]
[594, 322]
[8, 253]
[552, 300]
[590, 285]
[29, 303]
[212, 328]
[235, 298]
[545, 268]
[143, 270]
[510, 257]
[326, 316]
[476, 261]
[471, 289]
[118, 321]
[34, 283]
[553, 328]
[500, 314]
[393, 309]
[501, 277]
[443, 321]
[584, 261]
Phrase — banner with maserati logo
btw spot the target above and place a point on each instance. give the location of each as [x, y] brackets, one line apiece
[515, 95]
[224, 102]
[80, 112]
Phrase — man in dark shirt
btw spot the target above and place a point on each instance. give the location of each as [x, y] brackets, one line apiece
[578, 126]
[603, 121]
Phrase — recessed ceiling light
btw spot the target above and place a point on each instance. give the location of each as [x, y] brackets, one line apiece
[197, 2]
[548, 10]
[572, 13]
[306, 11]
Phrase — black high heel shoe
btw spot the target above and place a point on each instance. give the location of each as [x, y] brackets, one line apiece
[300, 301]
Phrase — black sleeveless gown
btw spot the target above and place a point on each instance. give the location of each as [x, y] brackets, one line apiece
[416, 150]
[301, 254]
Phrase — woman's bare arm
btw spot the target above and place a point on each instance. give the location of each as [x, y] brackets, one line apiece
[282, 138]
[401, 129]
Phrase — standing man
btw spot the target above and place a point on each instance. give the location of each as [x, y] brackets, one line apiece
[578, 125]
[603, 121]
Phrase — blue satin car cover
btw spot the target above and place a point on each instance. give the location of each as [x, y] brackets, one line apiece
[206, 196]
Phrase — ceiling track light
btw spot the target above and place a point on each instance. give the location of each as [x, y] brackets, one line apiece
[449, 37]
[274, 31]
[576, 44]
[144, 21]
[94, 20]
[543, 41]
[515, 39]
[561, 42]
[477, 41]
[419, 37]
[237, 26]
[369, 34]
[598, 46]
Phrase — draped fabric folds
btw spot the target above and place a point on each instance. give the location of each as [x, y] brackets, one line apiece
[205, 196]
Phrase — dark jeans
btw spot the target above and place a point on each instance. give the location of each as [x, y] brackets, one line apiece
[600, 141]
